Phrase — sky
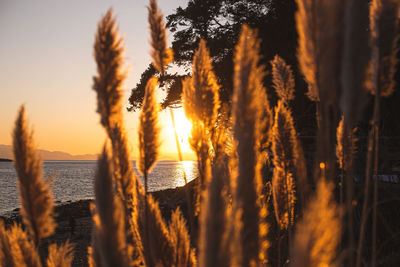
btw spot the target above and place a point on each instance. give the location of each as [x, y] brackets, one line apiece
[46, 63]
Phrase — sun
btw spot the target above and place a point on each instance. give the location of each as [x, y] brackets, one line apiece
[183, 128]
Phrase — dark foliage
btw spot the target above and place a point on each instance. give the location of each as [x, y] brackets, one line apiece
[219, 23]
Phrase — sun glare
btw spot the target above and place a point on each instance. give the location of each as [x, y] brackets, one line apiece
[183, 128]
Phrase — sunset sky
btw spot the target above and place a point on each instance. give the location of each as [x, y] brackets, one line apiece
[47, 63]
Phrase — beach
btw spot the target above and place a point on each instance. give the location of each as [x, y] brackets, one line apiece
[79, 211]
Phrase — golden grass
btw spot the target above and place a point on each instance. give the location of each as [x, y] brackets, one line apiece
[213, 246]
[318, 233]
[184, 255]
[35, 195]
[159, 249]
[60, 256]
[109, 220]
[285, 149]
[282, 78]
[21, 246]
[248, 213]
[148, 130]
[232, 230]
[160, 54]
[384, 23]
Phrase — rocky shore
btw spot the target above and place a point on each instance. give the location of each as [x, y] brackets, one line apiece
[77, 215]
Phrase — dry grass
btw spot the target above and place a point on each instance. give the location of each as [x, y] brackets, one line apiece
[60, 256]
[148, 130]
[160, 53]
[248, 212]
[318, 233]
[231, 146]
[35, 195]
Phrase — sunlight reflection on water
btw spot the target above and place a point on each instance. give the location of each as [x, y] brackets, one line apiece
[169, 174]
[189, 167]
[73, 180]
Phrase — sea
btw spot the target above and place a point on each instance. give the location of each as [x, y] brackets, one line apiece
[73, 180]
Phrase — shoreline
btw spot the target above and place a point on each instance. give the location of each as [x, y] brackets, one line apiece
[168, 199]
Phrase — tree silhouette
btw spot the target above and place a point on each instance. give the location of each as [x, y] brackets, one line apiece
[219, 23]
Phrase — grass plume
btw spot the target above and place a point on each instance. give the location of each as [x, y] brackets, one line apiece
[148, 130]
[23, 249]
[109, 221]
[345, 152]
[213, 249]
[60, 256]
[204, 103]
[108, 86]
[282, 78]
[384, 25]
[201, 103]
[36, 198]
[184, 255]
[318, 233]
[6, 252]
[159, 246]
[319, 58]
[160, 54]
[318, 23]
[353, 74]
[286, 152]
[307, 50]
[250, 229]
[108, 53]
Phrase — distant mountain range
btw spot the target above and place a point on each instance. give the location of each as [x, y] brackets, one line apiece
[6, 153]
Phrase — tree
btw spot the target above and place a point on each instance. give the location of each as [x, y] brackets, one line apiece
[219, 23]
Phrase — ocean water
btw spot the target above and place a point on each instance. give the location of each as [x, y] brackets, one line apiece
[73, 180]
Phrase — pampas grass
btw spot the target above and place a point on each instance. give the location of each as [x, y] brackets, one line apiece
[384, 35]
[35, 195]
[108, 53]
[318, 233]
[346, 145]
[6, 255]
[129, 229]
[109, 222]
[23, 249]
[353, 74]
[108, 86]
[318, 23]
[159, 246]
[285, 148]
[384, 25]
[60, 256]
[160, 54]
[288, 169]
[201, 103]
[204, 101]
[282, 78]
[184, 255]
[213, 246]
[148, 131]
[248, 214]
[307, 51]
